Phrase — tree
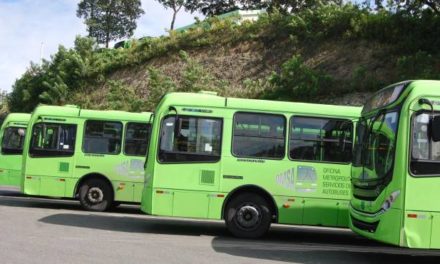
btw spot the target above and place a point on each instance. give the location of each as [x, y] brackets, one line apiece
[212, 7]
[108, 20]
[410, 6]
[218, 7]
[175, 5]
[3, 104]
[415, 6]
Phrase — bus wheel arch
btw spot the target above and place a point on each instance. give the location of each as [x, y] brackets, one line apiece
[95, 192]
[248, 211]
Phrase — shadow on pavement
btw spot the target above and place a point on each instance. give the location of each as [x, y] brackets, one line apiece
[145, 224]
[16, 199]
[10, 191]
[283, 243]
[318, 251]
[288, 244]
[320, 245]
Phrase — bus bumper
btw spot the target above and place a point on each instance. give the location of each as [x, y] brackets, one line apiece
[385, 227]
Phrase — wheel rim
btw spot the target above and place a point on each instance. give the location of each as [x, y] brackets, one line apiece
[95, 195]
[248, 217]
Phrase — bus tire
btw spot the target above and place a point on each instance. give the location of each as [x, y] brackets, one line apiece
[248, 215]
[96, 195]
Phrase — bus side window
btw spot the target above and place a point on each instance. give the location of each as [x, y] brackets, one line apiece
[102, 137]
[259, 135]
[136, 139]
[195, 139]
[321, 139]
[51, 140]
[425, 153]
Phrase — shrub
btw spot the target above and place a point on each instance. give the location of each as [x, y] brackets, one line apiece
[122, 97]
[296, 81]
[421, 65]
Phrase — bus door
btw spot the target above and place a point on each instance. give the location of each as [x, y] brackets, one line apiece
[49, 165]
[257, 155]
[189, 165]
[422, 207]
[320, 149]
[101, 153]
[11, 154]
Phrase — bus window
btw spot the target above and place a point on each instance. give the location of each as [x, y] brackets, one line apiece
[136, 139]
[259, 135]
[52, 140]
[13, 140]
[102, 137]
[195, 139]
[320, 139]
[425, 154]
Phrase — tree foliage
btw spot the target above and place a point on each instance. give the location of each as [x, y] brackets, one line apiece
[3, 104]
[102, 78]
[218, 7]
[408, 6]
[212, 7]
[108, 20]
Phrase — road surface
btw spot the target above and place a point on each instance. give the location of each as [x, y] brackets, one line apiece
[35, 230]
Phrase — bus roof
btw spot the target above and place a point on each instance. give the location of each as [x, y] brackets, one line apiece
[17, 119]
[210, 100]
[75, 111]
[396, 93]
[420, 86]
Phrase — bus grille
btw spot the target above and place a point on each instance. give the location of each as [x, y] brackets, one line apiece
[369, 227]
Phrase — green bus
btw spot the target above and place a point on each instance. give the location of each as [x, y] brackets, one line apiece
[95, 156]
[12, 134]
[249, 162]
[396, 166]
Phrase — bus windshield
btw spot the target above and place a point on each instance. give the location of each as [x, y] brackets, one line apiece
[374, 149]
[13, 140]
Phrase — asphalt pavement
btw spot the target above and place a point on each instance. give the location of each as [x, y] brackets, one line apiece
[36, 230]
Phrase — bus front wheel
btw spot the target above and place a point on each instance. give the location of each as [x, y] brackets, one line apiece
[248, 215]
[95, 195]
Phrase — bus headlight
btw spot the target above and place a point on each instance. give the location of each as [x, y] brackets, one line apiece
[389, 202]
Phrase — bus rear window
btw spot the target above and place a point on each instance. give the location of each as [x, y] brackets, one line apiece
[136, 139]
[50, 140]
[190, 139]
[13, 139]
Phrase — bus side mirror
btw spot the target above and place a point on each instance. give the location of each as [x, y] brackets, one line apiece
[435, 128]
[176, 120]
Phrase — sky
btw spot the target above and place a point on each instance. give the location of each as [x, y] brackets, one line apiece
[31, 29]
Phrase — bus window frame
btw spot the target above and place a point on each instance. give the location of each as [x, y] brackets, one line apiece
[320, 161]
[259, 158]
[159, 142]
[101, 120]
[411, 173]
[68, 154]
[149, 127]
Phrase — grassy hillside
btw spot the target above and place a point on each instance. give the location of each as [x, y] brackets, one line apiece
[331, 54]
